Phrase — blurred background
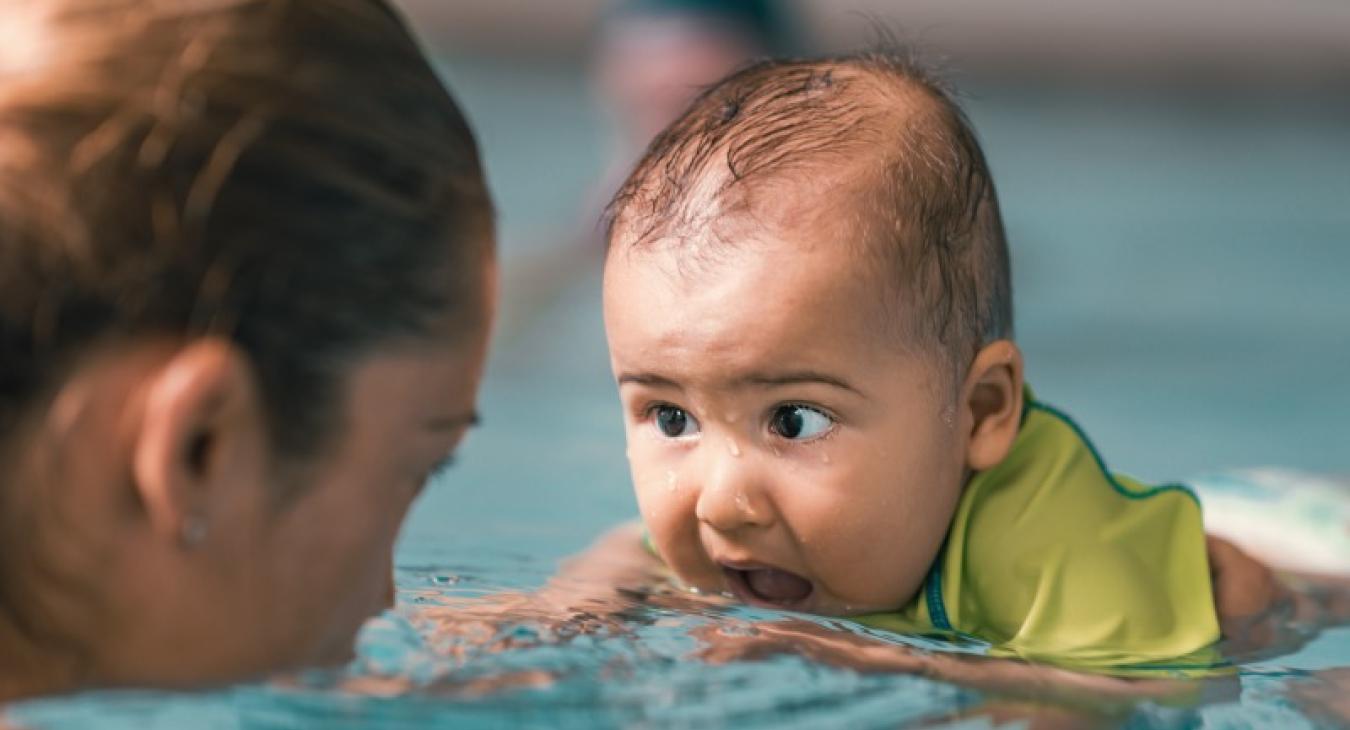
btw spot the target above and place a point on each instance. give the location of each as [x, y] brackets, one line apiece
[1175, 179]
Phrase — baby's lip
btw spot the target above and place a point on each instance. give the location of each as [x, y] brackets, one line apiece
[766, 586]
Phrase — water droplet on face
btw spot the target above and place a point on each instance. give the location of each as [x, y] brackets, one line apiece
[733, 447]
[693, 590]
[742, 503]
[672, 481]
[949, 416]
[824, 458]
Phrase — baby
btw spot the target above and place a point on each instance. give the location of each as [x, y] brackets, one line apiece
[809, 314]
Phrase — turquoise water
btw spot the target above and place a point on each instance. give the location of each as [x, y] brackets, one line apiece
[1180, 279]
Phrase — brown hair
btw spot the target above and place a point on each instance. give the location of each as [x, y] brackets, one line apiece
[289, 174]
[928, 200]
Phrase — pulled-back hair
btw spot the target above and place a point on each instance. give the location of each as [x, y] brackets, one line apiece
[923, 194]
[289, 174]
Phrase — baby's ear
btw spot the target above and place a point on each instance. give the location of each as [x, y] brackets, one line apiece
[993, 395]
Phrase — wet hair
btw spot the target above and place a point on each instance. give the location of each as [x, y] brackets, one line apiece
[288, 174]
[922, 195]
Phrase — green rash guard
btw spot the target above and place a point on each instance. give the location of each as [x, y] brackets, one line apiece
[1051, 557]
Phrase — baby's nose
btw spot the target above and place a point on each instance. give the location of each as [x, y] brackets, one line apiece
[733, 497]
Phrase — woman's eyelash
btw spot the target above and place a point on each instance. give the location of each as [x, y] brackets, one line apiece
[441, 467]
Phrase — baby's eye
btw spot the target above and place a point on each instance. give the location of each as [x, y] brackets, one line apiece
[674, 422]
[799, 423]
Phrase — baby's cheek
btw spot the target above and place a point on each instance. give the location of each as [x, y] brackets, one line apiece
[862, 552]
[659, 497]
[668, 512]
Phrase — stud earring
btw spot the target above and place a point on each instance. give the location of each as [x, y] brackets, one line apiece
[193, 531]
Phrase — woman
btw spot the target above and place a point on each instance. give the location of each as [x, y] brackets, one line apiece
[246, 275]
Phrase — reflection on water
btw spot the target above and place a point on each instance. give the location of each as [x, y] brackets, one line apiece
[432, 664]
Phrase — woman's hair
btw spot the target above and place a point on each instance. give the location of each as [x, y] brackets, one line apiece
[288, 174]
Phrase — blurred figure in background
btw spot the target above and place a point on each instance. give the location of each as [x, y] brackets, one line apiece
[650, 59]
[653, 56]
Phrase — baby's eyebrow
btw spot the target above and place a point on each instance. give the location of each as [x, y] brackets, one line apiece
[650, 379]
[772, 380]
[795, 378]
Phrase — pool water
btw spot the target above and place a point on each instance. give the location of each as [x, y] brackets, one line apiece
[1180, 281]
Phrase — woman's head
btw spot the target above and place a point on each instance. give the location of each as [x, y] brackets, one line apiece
[245, 281]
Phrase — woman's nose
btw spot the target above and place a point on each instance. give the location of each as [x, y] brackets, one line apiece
[732, 495]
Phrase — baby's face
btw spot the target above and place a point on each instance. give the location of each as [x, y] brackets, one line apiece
[785, 446]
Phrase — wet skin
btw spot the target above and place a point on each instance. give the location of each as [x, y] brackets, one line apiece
[785, 443]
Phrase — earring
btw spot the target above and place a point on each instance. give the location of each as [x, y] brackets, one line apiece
[193, 531]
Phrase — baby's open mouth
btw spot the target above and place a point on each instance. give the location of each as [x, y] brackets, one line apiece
[765, 586]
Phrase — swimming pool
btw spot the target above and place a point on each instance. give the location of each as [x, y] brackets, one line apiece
[1180, 285]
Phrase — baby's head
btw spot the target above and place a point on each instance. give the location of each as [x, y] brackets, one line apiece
[808, 308]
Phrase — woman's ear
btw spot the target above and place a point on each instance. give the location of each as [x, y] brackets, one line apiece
[198, 434]
[993, 394]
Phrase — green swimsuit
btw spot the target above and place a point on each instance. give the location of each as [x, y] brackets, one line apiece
[1051, 557]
